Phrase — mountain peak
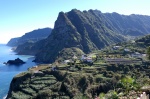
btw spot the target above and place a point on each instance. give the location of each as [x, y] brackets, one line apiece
[87, 31]
[77, 29]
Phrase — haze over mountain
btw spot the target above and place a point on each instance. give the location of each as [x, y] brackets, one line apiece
[87, 31]
[32, 36]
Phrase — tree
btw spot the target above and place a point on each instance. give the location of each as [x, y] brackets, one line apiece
[148, 53]
[127, 83]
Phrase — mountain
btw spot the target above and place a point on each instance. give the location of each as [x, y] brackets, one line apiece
[30, 48]
[76, 33]
[13, 41]
[138, 45]
[144, 41]
[129, 24]
[87, 31]
[32, 36]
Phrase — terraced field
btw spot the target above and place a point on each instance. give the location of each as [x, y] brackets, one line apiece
[78, 81]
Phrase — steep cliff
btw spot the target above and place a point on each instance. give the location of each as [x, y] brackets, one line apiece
[82, 30]
[13, 41]
[124, 23]
[32, 37]
[88, 31]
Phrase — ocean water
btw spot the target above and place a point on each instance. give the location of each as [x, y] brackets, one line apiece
[8, 72]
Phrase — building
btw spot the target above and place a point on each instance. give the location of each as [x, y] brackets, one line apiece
[67, 61]
[74, 57]
[116, 47]
[89, 59]
[136, 55]
[127, 50]
[86, 58]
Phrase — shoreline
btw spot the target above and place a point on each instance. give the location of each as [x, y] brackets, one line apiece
[5, 97]
[13, 48]
[8, 54]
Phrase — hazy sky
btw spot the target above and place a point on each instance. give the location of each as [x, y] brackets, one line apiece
[20, 16]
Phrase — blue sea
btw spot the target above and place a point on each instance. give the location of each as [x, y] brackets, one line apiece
[8, 72]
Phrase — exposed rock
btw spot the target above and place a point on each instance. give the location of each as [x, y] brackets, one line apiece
[17, 61]
[88, 31]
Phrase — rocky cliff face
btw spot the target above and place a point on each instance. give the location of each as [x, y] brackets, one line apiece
[129, 25]
[32, 37]
[82, 30]
[13, 41]
[88, 31]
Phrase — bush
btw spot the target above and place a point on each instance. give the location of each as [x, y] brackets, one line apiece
[44, 94]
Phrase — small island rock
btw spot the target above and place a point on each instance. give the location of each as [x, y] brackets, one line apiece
[17, 61]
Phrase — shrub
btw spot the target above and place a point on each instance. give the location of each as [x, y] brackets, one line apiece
[44, 94]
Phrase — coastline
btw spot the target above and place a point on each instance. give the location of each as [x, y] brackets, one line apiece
[5, 97]
[8, 72]
[13, 48]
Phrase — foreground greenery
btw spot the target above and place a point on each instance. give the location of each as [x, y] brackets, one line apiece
[81, 81]
[126, 78]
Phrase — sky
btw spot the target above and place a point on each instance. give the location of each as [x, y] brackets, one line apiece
[18, 17]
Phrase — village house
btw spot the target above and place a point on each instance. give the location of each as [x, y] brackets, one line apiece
[67, 61]
[116, 47]
[127, 50]
[86, 58]
[37, 72]
[74, 57]
[136, 55]
[132, 41]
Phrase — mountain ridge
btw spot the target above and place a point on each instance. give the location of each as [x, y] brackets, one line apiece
[69, 33]
[88, 31]
[32, 36]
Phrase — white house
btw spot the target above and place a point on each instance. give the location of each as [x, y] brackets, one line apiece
[137, 55]
[89, 59]
[86, 58]
[67, 61]
[132, 41]
[116, 47]
[83, 57]
[74, 57]
[127, 50]
[144, 55]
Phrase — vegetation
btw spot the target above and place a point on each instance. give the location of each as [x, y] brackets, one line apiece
[117, 71]
[148, 52]
[82, 80]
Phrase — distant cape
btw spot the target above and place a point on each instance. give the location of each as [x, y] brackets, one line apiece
[32, 37]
